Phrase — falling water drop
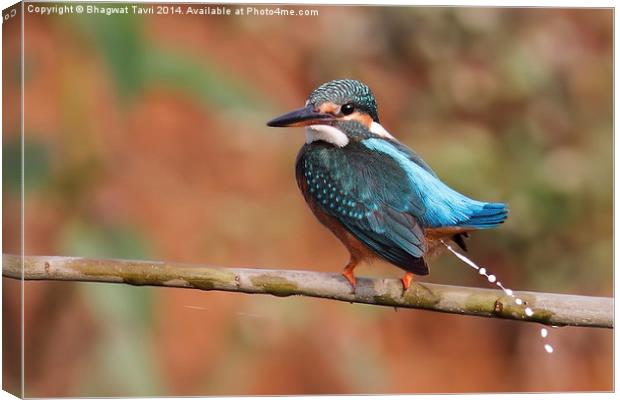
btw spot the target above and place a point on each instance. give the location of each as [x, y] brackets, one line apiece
[492, 278]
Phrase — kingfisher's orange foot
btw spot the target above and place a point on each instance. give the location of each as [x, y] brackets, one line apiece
[348, 273]
[407, 279]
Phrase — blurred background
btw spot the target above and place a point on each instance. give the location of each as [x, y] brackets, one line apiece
[145, 138]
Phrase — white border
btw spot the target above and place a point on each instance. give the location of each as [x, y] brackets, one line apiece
[506, 3]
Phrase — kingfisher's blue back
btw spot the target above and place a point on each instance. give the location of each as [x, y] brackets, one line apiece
[372, 191]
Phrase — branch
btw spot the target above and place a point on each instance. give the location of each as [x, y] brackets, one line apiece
[549, 309]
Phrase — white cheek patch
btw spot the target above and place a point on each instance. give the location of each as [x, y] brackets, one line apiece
[377, 129]
[327, 134]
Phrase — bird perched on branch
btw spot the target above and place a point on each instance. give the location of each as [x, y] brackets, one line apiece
[373, 192]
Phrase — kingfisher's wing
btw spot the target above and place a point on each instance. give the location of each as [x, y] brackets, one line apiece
[442, 205]
[385, 196]
[370, 196]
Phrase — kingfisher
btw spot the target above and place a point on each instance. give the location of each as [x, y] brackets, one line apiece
[377, 196]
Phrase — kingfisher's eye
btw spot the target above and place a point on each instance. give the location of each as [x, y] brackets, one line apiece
[347, 109]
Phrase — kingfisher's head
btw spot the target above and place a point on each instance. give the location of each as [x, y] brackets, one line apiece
[336, 112]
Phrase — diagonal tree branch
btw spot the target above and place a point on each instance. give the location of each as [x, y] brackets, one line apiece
[548, 308]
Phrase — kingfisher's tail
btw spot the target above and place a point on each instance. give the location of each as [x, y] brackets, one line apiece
[489, 216]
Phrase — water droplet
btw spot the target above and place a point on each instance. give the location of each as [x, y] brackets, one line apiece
[492, 278]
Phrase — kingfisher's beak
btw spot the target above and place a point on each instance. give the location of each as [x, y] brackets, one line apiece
[300, 117]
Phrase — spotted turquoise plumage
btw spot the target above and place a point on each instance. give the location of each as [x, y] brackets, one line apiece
[369, 206]
[380, 193]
